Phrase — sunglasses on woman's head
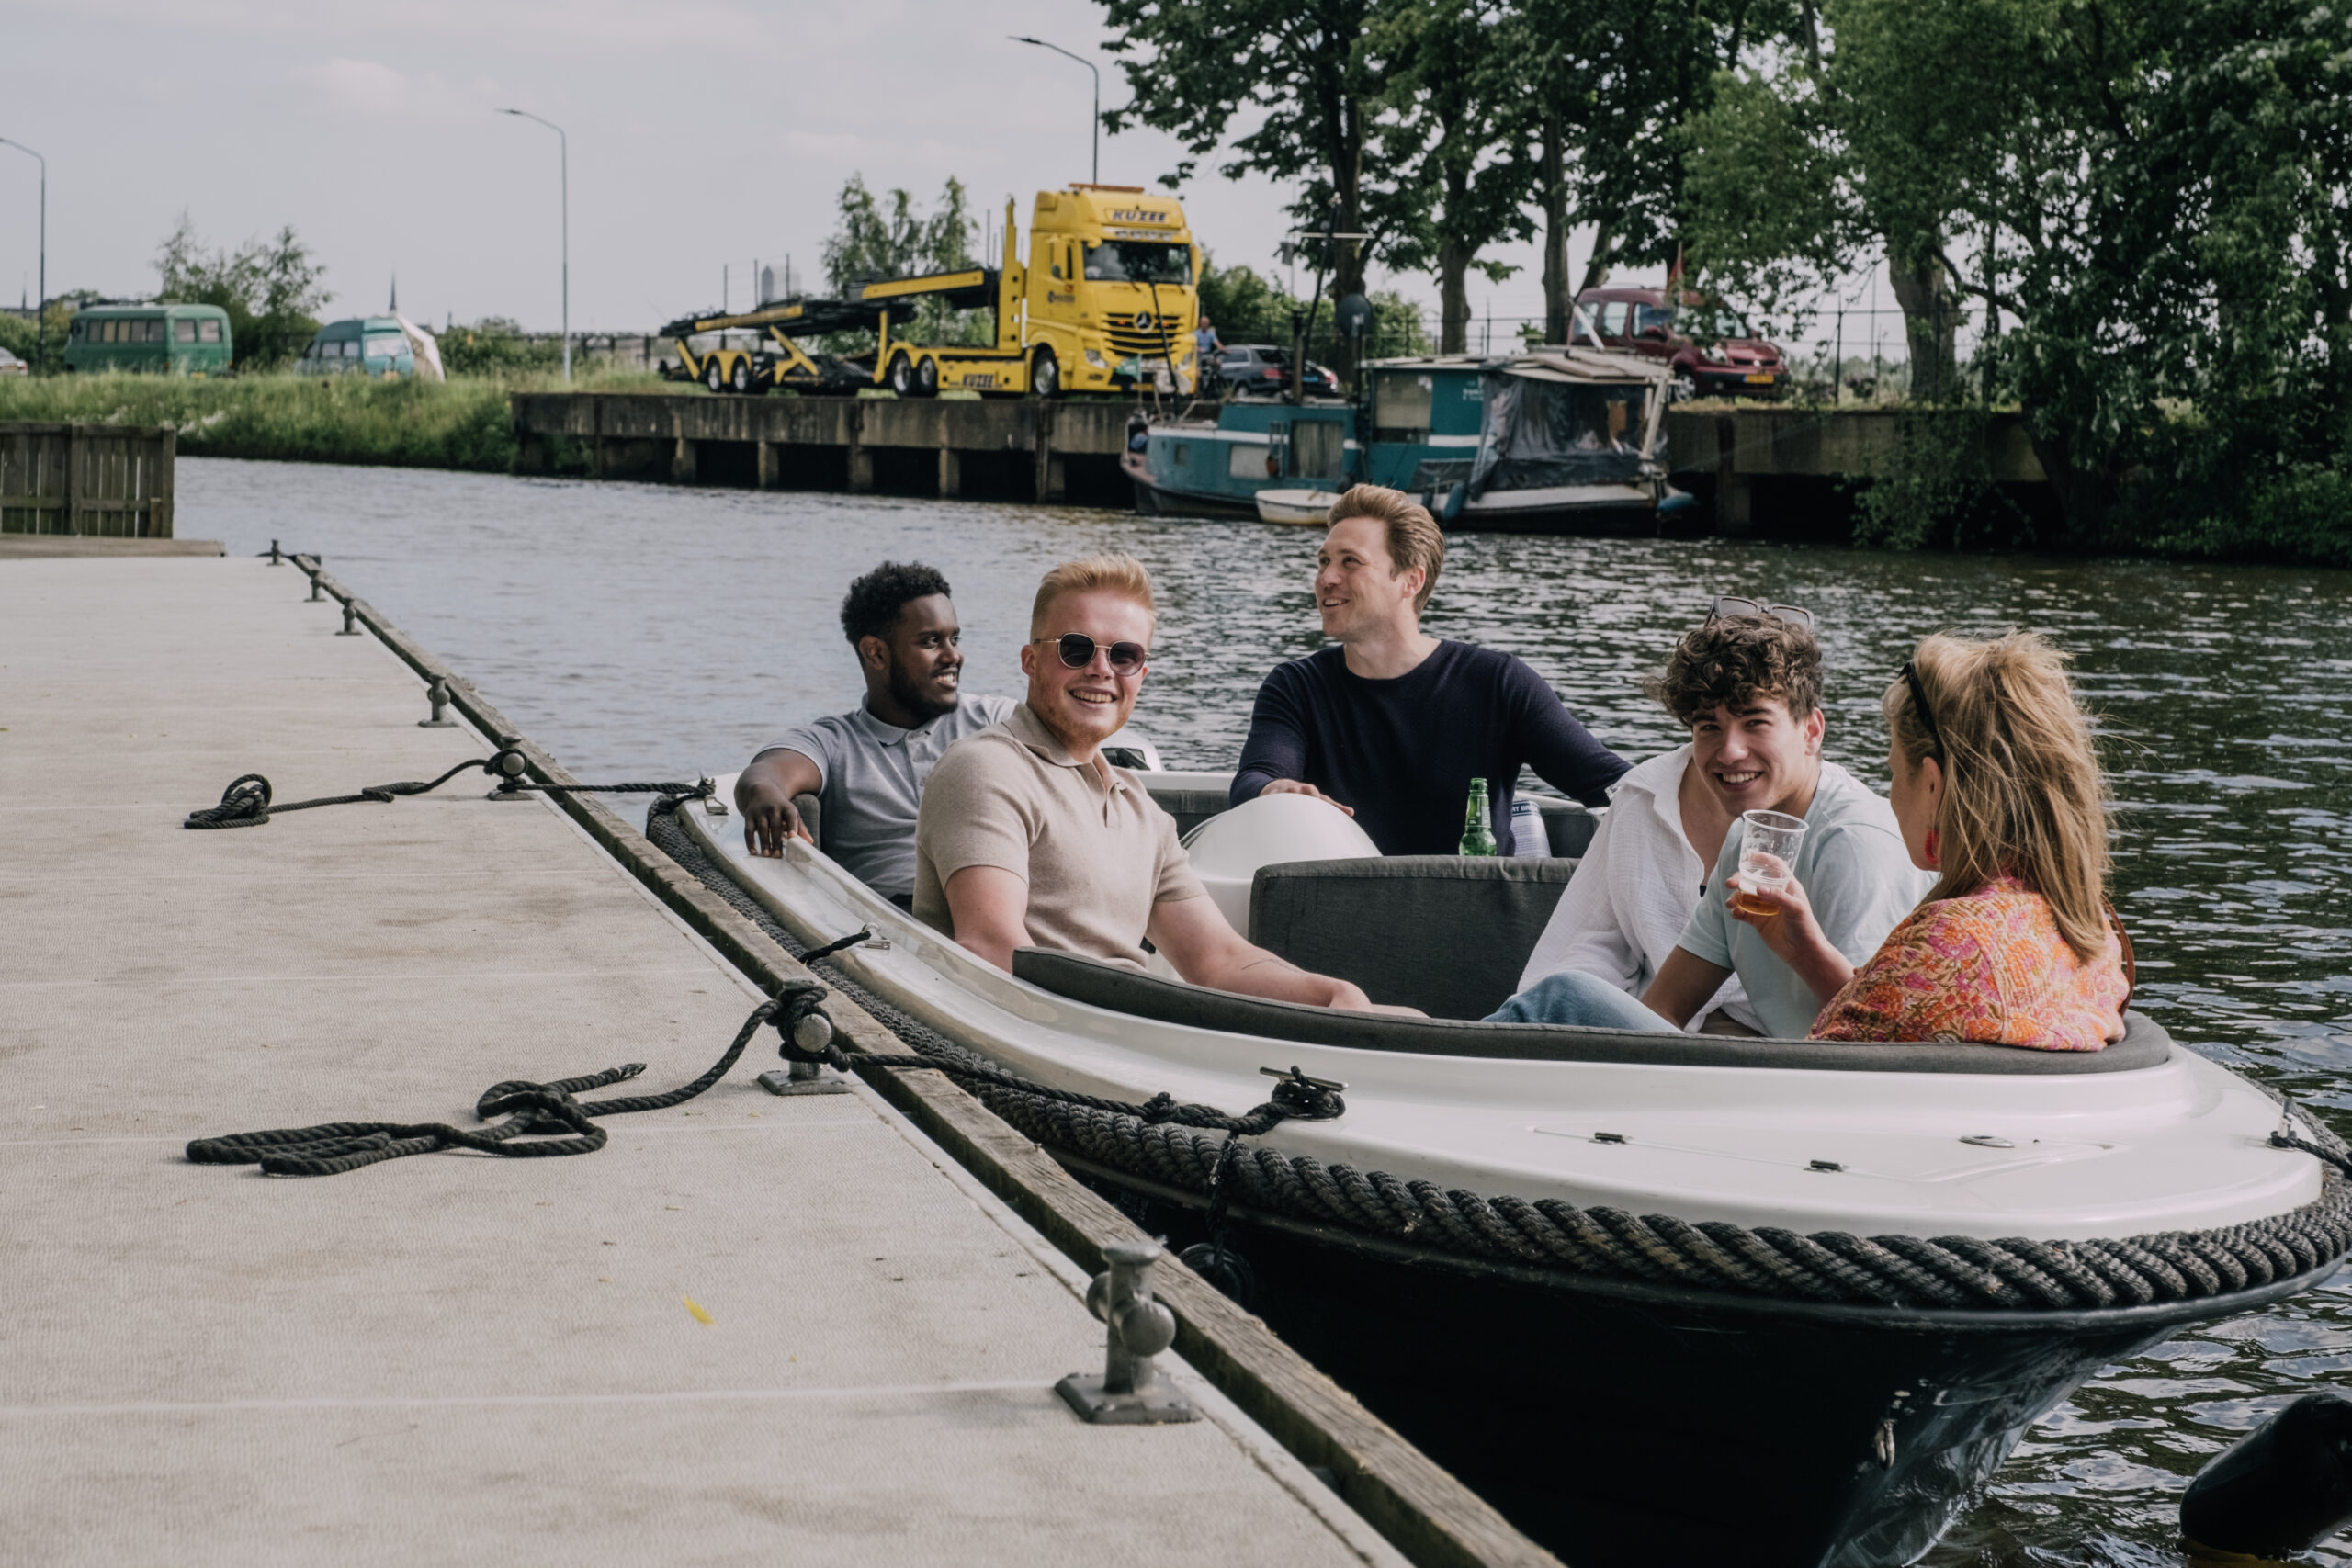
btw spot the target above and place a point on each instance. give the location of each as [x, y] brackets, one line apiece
[1076, 651]
[1919, 705]
[1732, 605]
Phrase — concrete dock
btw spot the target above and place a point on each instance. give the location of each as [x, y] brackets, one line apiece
[750, 1328]
[1765, 469]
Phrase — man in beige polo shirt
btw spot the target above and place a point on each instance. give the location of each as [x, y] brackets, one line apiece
[1027, 836]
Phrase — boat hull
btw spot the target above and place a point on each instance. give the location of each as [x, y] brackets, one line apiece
[1615, 1421]
[1152, 501]
[1583, 509]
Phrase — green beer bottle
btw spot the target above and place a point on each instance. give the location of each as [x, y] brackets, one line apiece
[1478, 824]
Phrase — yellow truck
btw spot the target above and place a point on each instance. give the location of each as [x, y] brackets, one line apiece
[1106, 301]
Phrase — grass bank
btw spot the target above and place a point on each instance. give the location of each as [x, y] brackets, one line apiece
[460, 423]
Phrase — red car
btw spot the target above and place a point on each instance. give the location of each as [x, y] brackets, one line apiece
[1713, 351]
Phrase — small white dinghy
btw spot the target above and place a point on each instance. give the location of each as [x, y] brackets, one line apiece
[1302, 508]
[1699, 1299]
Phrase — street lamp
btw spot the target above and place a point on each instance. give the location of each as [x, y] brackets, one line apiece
[1096, 127]
[563, 145]
[40, 312]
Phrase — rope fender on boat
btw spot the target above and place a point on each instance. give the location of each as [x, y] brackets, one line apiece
[1157, 1144]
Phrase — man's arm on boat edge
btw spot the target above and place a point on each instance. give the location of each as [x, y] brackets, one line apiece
[763, 793]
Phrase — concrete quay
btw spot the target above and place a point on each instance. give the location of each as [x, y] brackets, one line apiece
[1764, 469]
[1015, 448]
[817, 1330]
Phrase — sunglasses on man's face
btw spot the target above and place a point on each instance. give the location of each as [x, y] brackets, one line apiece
[1078, 649]
[1730, 605]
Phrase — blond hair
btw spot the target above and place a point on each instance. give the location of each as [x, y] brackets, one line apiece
[1123, 575]
[1414, 537]
[2022, 794]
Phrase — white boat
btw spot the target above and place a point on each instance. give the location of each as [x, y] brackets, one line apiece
[1773, 1363]
[1310, 508]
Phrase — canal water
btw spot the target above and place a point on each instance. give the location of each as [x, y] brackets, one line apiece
[645, 632]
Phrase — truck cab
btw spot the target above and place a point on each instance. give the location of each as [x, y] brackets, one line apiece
[1112, 289]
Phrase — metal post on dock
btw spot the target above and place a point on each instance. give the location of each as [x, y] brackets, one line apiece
[437, 695]
[1127, 1394]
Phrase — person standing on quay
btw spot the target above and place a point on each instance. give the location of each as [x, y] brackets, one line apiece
[1391, 725]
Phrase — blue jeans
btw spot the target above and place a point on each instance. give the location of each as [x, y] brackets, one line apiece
[1573, 997]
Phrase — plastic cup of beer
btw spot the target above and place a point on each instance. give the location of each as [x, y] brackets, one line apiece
[1768, 849]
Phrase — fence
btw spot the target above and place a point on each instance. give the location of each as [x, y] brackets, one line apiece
[111, 480]
[1846, 351]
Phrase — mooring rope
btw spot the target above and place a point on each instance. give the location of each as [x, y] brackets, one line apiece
[246, 802]
[333, 1148]
[1163, 1145]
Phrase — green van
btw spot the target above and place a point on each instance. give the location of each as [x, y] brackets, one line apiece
[368, 345]
[175, 340]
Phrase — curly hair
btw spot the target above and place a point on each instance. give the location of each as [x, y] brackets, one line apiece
[1734, 659]
[874, 600]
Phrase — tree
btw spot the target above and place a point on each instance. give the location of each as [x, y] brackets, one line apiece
[1303, 68]
[885, 236]
[1448, 78]
[1602, 92]
[496, 345]
[2156, 192]
[270, 289]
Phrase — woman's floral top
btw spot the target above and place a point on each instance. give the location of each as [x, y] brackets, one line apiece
[1989, 966]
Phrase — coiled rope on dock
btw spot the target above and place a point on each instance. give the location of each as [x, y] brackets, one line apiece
[1967, 1273]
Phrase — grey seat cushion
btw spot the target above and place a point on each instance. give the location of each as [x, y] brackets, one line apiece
[2144, 1044]
[1447, 934]
[1568, 825]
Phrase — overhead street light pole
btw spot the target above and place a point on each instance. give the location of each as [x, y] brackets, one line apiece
[41, 311]
[563, 145]
[1097, 125]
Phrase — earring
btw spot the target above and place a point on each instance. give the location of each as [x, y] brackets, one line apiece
[1934, 859]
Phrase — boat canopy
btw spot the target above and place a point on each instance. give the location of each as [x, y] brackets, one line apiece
[1565, 417]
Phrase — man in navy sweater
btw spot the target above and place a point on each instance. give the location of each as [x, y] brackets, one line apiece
[1390, 726]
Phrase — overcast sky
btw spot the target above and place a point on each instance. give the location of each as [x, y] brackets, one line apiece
[703, 134]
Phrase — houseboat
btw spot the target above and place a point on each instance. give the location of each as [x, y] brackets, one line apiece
[1552, 440]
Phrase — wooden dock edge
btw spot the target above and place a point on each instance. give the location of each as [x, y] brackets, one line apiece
[1417, 1506]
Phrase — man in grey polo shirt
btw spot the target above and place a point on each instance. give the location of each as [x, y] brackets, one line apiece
[868, 767]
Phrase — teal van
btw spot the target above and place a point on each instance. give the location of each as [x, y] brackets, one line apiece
[365, 345]
[173, 340]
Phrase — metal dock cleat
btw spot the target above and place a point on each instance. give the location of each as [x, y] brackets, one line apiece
[1128, 1392]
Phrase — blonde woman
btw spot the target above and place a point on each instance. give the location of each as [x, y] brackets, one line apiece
[1996, 790]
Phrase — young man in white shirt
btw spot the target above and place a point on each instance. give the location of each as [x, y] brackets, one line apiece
[868, 767]
[1749, 684]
